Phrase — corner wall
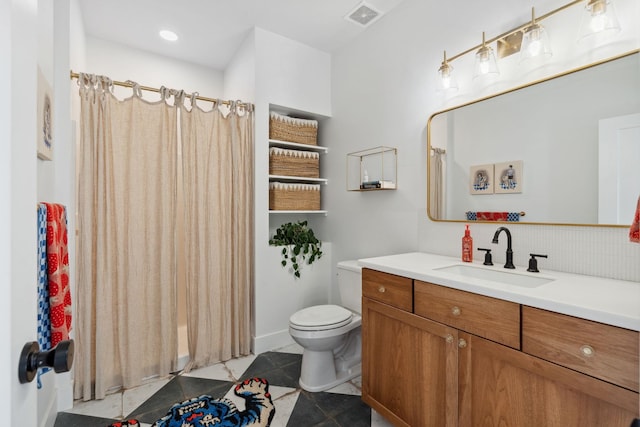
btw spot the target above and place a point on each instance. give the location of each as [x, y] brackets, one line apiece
[297, 77]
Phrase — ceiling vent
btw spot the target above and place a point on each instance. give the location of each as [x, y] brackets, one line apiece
[363, 15]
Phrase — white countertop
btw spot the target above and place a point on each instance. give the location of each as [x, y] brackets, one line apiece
[614, 302]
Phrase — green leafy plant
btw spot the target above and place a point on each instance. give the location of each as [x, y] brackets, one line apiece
[299, 243]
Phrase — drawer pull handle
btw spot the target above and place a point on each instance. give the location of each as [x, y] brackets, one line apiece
[449, 338]
[462, 343]
[455, 311]
[381, 289]
[587, 351]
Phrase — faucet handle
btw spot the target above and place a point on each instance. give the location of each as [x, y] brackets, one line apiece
[487, 256]
[533, 263]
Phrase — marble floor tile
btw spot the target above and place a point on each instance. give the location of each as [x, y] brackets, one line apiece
[109, 407]
[338, 407]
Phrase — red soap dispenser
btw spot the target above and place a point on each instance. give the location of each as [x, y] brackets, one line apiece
[467, 246]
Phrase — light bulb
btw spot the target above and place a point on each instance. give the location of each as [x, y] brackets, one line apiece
[484, 66]
[598, 22]
[447, 79]
[599, 18]
[446, 82]
[535, 47]
[535, 40]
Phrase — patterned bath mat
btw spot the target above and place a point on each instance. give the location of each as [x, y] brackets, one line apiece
[205, 411]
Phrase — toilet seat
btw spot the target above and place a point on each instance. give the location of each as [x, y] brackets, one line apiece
[320, 317]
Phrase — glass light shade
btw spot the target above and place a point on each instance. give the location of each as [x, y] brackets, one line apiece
[599, 17]
[485, 62]
[535, 42]
[448, 80]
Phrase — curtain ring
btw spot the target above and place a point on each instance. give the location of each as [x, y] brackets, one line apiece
[178, 98]
[135, 87]
[193, 98]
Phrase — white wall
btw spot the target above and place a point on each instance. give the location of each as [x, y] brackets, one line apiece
[384, 91]
[123, 63]
[239, 76]
[292, 75]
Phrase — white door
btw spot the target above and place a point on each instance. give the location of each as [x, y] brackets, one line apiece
[619, 174]
[18, 190]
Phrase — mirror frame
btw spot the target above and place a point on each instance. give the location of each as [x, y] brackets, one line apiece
[533, 83]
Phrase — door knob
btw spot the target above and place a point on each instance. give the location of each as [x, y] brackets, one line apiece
[60, 358]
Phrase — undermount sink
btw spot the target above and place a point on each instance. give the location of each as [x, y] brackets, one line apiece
[508, 277]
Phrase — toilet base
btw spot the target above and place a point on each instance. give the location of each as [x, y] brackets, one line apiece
[322, 370]
[324, 375]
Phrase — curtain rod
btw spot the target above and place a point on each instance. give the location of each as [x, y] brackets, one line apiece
[157, 90]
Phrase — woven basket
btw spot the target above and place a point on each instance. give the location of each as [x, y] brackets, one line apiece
[300, 163]
[294, 197]
[290, 129]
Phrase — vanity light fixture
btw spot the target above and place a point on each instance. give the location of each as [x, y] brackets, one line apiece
[530, 39]
[599, 17]
[485, 60]
[535, 40]
[448, 80]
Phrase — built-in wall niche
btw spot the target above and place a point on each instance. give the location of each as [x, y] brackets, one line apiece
[295, 184]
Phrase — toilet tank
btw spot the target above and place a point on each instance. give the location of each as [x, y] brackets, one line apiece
[350, 285]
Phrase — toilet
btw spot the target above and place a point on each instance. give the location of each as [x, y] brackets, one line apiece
[330, 334]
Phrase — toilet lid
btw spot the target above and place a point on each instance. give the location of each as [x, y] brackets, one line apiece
[321, 316]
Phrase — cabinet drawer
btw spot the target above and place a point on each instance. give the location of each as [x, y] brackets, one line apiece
[487, 317]
[388, 288]
[602, 351]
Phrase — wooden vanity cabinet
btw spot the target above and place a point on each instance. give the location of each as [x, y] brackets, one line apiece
[409, 367]
[500, 386]
[456, 361]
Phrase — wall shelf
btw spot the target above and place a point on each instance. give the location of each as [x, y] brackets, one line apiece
[286, 178]
[296, 146]
[373, 169]
[298, 212]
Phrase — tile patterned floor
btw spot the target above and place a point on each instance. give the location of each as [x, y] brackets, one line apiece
[338, 407]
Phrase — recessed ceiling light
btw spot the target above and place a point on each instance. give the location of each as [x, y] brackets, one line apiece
[168, 35]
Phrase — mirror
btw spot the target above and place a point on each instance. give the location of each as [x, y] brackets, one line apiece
[573, 141]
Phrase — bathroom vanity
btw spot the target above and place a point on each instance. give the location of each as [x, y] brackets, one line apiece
[446, 343]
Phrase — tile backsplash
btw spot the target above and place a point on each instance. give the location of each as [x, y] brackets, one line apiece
[592, 251]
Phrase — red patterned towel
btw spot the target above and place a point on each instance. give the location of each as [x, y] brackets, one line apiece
[634, 231]
[58, 273]
[492, 216]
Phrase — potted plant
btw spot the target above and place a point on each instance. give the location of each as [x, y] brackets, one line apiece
[299, 243]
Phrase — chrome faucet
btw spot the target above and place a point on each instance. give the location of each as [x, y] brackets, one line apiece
[509, 263]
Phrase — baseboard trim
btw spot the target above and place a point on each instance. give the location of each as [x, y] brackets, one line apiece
[270, 342]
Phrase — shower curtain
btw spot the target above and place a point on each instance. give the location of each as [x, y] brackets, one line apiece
[127, 257]
[217, 153]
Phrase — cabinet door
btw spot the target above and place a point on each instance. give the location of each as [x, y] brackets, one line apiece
[503, 387]
[409, 367]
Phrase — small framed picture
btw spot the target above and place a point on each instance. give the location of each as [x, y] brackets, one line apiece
[509, 177]
[481, 179]
[45, 118]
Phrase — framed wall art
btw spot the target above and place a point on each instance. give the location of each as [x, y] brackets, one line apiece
[481, 179]
[509, 177]
[45, 118]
